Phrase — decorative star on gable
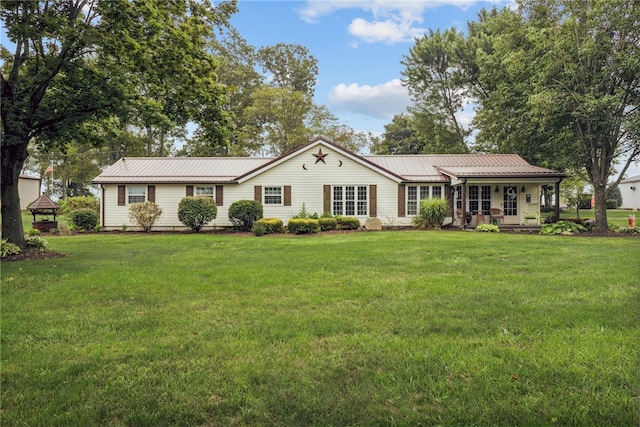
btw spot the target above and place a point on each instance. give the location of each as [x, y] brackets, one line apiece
[320, 156]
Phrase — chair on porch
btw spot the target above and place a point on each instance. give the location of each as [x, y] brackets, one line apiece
[497, 214]
[531, 214]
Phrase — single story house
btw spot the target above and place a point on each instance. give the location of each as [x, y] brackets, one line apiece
[323, 177]
[630, 192]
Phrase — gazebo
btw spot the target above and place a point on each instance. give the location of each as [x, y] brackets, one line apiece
[43, 205]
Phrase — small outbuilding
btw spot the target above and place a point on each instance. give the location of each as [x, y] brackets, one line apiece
[43, 205]
[630, 192]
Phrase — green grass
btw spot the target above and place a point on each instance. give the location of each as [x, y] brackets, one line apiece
[614, 216]
[389, 328]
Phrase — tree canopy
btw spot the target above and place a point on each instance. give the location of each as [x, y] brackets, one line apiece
[556, 81]
[70, 62]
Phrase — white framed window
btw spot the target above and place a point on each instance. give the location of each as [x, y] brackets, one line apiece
[415, 193]
[350, 200]
[272, 195]
[205, 191]
[136, 194]
[479, 198]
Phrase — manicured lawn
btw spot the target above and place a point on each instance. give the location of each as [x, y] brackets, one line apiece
[614, 216]
[390, 328]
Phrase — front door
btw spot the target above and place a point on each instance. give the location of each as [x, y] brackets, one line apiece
[510, 205]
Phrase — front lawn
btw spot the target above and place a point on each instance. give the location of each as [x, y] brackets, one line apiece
[388, 328]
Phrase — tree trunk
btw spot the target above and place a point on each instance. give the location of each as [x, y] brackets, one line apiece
[601, 207]
[13, 157]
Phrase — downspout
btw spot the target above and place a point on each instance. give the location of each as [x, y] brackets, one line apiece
[102, 206]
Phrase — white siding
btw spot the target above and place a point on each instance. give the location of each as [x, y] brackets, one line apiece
[630, 192]
[29, 190]
[307, 187]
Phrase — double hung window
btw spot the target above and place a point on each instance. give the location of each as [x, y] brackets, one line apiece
[273, 195]
[205, 191]
[137, 193]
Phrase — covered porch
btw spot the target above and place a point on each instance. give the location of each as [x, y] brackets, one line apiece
[506, 197]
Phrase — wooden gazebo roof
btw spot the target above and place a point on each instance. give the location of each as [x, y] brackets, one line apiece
[43, 205]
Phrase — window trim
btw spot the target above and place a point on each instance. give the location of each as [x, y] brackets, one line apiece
[280, 195]
[202, 186]
[354, 200]
[143, 194]
[418, 193]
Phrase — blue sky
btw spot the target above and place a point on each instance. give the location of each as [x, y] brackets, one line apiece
[359, 46]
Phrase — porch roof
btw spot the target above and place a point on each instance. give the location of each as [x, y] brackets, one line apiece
[501, 172]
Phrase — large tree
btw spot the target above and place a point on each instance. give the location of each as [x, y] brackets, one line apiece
[69, 62]
[556, 81]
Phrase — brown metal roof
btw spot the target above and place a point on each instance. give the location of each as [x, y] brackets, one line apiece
[43, 203]
[409, 168]
[178, 169]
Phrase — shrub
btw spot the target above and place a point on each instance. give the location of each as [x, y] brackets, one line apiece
[34, 232]
[244, 213]
[36, 242]
[629, 230]
[612, 204]
[304, 214]
[327, 224]
[303, 225]
[347, 223]
[271, 225]
[432, 213]
[84, 219]
[196, 212]
[258, 229]
[562, 227]
[75, 203]
[7, 249]
[488, 228]
[145, 214]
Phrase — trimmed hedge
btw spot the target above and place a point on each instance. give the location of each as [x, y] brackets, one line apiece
[244, 213]
[327, 224]
[271, 225]
[196, 212]
[85, 219]
[303, 226]
[348, 223]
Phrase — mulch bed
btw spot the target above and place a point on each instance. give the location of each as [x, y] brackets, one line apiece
[33, 254]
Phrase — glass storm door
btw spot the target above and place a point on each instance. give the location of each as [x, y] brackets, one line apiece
[510, 205]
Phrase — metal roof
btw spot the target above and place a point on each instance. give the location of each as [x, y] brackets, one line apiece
[178, 169]
[410, 168]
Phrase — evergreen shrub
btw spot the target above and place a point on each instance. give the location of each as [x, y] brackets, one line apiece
[303, 226]
[271, 225]
[327, 224]
[244, 213]
[84, 219]
[196, 212]
[348, 223]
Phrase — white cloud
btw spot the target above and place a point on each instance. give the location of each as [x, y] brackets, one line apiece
[388, 21]
[382, 101]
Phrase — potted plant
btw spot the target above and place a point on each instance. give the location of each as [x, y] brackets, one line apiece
[467, 217]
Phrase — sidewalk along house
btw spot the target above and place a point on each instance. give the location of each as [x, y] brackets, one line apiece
[323, 177]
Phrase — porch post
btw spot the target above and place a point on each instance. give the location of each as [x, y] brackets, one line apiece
[463, 200]
[556, 212]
